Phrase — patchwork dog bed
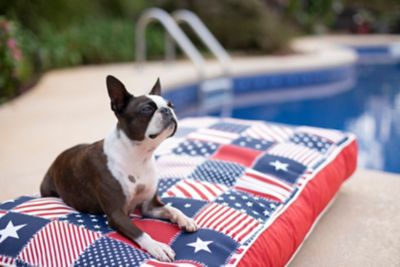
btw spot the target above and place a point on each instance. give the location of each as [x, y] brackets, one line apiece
[254, 189]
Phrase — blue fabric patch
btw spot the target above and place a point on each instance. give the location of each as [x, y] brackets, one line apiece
[10, 204]
[256, 207]
[16, 230]
[216, 171]
[188, 206]
[196, 148]
[282, 168]
[205, 246]
[108, 252]
[96, 223]
[165, 184]
[318, 143]
[253, 143]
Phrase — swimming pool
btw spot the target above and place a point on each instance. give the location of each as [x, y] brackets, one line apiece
[357, 89]
[370, 108]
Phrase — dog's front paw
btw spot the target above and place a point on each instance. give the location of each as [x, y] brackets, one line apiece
[158, 250]
[187, 224]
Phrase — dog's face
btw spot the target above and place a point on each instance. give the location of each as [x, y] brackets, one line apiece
[145, 117]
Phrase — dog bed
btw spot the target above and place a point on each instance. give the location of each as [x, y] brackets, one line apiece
[255, 189]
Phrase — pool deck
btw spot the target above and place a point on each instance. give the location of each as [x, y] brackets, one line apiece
[71, 106]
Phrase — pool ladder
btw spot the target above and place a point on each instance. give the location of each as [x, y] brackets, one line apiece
[215, 94]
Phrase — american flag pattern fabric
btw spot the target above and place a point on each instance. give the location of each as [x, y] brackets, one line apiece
[233, 177]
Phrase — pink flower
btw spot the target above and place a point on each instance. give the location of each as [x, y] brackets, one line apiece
[12, 44]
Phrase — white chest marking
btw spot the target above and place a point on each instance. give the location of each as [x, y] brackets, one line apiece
[132, 165]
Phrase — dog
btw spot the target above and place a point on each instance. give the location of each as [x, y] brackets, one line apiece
[116, 175]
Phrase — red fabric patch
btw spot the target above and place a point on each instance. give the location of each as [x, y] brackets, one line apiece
[277, 244]
[159, 230]
[241, 155]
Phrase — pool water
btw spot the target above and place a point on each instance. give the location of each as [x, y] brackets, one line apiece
[370, 109]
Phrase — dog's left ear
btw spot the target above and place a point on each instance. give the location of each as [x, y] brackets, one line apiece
[156, 90]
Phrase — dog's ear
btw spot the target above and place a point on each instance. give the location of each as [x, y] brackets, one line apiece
[156, 90]
[118, 94]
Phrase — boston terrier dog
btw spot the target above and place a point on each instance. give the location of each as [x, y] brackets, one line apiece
[116, 175]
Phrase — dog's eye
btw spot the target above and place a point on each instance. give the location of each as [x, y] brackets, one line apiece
[170, 104]
[147, 109]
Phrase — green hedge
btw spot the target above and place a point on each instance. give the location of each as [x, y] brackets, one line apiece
[64, 33]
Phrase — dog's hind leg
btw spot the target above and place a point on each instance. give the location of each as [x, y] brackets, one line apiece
[47, 187]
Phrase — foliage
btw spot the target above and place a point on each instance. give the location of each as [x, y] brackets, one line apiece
[64, 33]
[15, 65]
[239, 25]
[313, 16]
[382, 16]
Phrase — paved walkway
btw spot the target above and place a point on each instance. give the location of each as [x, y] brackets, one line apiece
[71, 106]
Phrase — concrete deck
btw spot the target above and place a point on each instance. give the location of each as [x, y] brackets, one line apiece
[71, 106]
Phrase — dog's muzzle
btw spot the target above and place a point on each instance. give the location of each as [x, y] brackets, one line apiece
[169, 120]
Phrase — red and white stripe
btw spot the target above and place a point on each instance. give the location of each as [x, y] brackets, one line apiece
[211, 135]
[7, 261]
[226, 220]
[299, 153]
[195, 190]
[47, 207]
[58, 244]
[178, 166]
[263, 185]
[269, 132]
[331, 135]
[2, 213]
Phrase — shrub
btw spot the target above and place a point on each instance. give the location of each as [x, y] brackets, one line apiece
[64, 33]
[240, 25]
[15, 65]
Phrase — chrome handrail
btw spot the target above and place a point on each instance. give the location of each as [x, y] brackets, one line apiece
[205, 36]
[157, 14]
[208, 87]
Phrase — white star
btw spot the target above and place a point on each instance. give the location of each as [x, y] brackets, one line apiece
[10, 231]
[187, 205]
[249, 204]
[200, 245]
[266, 212]
[279, 165]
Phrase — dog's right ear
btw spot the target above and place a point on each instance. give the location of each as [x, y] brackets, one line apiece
[118, 94]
